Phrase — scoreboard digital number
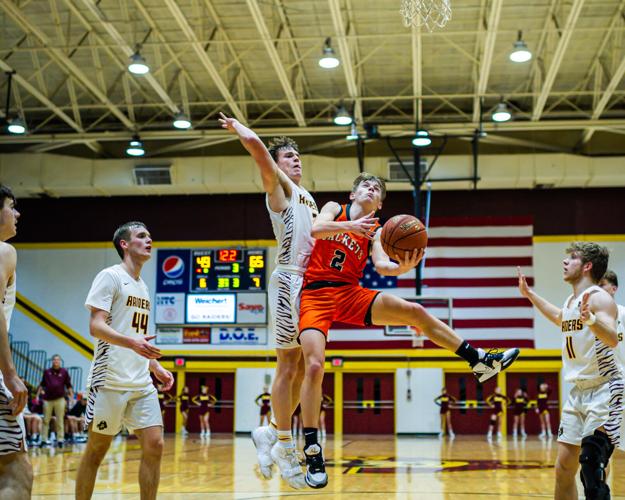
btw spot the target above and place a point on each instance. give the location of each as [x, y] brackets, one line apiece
[228, 269]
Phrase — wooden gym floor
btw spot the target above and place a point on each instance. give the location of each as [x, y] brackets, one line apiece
[373, 467]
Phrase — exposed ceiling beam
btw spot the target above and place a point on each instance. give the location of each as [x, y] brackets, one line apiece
[487, 55]
[345, 53]
[261, 26]
[403, 129]
[204, 59]
[558, 56]
[128, 51]
[40, 97]
[417, 65]
[64, 61]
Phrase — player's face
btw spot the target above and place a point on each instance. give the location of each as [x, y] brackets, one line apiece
[573, 268]
[290, 163]
[8, 219]
[368, 195]
[140, 243]
[608, 287]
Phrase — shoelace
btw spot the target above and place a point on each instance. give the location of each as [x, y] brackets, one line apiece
[492, 353]
[315, 463]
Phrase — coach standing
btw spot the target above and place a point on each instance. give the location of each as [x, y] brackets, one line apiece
[53, 384]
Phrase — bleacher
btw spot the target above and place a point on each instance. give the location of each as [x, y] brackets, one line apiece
[30, 364]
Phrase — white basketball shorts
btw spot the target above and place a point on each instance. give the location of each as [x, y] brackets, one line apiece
[284, 294]
[12, 430]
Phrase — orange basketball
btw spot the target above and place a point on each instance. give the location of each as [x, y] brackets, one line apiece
[401, 234]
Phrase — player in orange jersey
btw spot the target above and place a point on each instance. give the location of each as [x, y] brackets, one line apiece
[331, 293]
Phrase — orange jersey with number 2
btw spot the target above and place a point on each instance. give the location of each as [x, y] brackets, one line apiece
[340, 258]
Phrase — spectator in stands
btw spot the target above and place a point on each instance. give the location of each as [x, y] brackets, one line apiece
[75, 420]
[55, 381]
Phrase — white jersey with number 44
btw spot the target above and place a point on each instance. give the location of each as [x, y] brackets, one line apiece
[127, 301]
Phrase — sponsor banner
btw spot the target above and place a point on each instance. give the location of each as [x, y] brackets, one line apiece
[239, 336]
[172, 273]
[251, 308]
[169, 308]
[210, 308]
[169, 335]
[196, 335]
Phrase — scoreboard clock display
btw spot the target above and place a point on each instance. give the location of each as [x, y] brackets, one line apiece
[228, 269]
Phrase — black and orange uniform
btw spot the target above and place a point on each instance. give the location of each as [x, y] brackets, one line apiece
[331, 290]
[444, 400]
[542, 401]
[264, 401]
[519, 404]
[184, 402]
[497, 401]
[204, 401]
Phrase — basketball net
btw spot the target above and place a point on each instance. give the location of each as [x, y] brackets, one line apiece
[429, 13]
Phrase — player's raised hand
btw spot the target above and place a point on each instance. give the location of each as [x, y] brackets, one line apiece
[143, 348]
[228, 123]
[365, 225]
[523, 286]
[584, 308]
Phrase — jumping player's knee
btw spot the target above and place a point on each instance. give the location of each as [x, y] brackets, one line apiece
[594, 456]
[314, 368]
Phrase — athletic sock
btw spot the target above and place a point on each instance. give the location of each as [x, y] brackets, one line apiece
[285, 439]
[469, 353]
[273, 424]
[310, 436]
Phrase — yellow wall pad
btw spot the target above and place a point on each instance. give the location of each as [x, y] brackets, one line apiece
[156, 244]
[54, 326]
[567, 238]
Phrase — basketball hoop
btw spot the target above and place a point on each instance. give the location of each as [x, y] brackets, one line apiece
[429, 13]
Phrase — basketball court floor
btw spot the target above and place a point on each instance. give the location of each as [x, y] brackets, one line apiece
[360, 467]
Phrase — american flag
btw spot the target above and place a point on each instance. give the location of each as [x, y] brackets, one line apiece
[473, 260]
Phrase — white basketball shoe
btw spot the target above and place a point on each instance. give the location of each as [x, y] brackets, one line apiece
[288, 463]
[264, 438]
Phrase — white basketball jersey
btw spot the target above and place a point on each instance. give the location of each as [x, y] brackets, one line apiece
[620, 333]
[584, 357]
[292, 229]
[128, 302]
[9, 300]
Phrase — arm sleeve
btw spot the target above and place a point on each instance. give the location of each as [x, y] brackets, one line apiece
[102, 292]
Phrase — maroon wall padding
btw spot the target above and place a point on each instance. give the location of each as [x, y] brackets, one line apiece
[369, 403]
[243, 216]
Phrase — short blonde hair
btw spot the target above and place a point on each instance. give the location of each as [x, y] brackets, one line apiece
[365, 176]
[590, 251]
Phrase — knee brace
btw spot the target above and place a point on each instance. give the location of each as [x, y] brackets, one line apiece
[594, 456]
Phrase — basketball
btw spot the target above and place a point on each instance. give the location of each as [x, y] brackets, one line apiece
[403, 233]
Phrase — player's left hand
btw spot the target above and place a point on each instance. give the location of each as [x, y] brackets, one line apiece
[164, 376]
[227, 122]
[411, 259]
[584, 308]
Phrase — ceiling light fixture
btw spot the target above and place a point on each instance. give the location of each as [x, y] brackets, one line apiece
[16, 126]
[328, 59]
[421, 139]
[181, 121]
[501, 113]
[135, 147]
[342, 116]
[520, 53]
[137, 65]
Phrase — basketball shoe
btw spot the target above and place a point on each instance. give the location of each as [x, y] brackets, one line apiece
[290, 470]
[492, 362]
[264, 438]
[316, 476]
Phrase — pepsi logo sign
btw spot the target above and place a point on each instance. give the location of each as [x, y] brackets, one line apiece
[173, 267]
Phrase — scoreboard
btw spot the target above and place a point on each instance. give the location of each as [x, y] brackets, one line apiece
[228, 269]
[211, 286]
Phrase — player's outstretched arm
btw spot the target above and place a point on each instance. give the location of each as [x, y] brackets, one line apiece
[100, 330]
[8, 261]
[547, 309]
[275, 182]
[598, 311]
[384, 265]
[325, 225]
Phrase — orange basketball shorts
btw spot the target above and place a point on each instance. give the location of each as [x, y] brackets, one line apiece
[320, 307]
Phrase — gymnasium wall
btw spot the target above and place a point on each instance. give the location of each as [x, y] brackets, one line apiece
[56, 278]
